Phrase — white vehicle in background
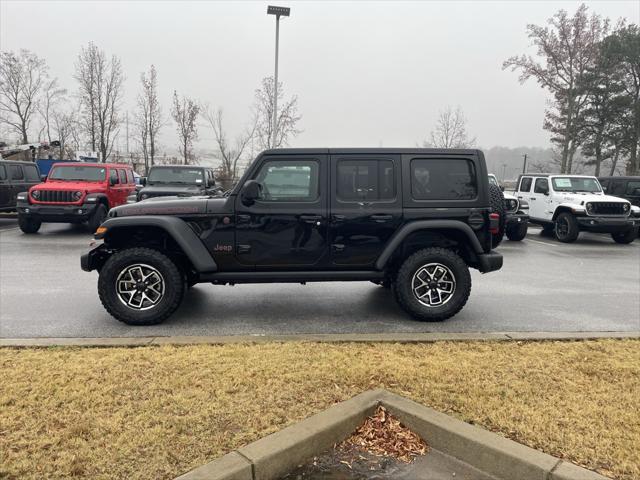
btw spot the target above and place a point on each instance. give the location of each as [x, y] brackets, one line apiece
[569, 204]
[516, 214]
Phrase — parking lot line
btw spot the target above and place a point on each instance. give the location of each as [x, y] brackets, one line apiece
[544, 243]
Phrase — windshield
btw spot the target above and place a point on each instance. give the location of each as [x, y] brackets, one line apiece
[78, 173]
[176, 175]
[576, 184]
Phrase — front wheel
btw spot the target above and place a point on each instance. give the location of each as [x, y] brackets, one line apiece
[140, 286]
[28, 225]
[625, 237]
[517, 232]
[566, 228]
[433, 284]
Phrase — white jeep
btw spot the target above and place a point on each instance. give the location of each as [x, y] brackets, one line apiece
[568, 204]
[516, 213]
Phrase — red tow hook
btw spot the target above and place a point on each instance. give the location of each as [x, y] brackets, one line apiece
[494, 223]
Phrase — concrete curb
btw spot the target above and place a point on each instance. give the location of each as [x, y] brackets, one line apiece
[328, 338]
[278, 454]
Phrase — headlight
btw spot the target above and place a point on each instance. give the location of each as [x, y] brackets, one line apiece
[35, 194]
[144, 196]
[625, 207]
[589, 208]
[77, 195]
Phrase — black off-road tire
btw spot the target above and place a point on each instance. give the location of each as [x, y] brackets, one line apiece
[496, 199]
[548, 230]
[625, 237]
[174, 286]
[517, 232]
[572, 228]
[403, 284]
[98, 216]
[28, 224]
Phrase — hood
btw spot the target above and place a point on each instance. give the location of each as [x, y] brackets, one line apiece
[171, 189]
[588, 197]
[178, 206]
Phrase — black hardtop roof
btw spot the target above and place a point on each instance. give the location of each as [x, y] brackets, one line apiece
[621, 177]
[370, 151]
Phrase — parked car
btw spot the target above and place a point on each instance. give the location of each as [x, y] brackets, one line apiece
[516, 212]
[569, 204]
[416, 218]
[623, 187]
[15, 177]
[75, 193]
[177, 180]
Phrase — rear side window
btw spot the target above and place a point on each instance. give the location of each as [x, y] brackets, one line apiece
[359, 180]
[443, 179]
[113, 176]
[542, 185]
[123, 176]
[3, 173]
[525, 184]
[15, 172]
[130, 176]
[617, 187]
[633, 187]
[31, 173]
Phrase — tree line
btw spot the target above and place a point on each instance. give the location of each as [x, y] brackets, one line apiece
[33, 107]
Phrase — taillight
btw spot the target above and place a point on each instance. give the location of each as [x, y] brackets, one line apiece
[494, 223]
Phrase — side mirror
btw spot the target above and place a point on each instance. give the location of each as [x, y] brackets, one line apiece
[251, 191]
[502, 188]
[43, 178]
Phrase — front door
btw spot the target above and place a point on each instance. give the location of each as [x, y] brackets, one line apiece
[366, 207]
[539, 199]
[287, 226]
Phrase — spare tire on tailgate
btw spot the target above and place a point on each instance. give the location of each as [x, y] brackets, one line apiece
[496, 199]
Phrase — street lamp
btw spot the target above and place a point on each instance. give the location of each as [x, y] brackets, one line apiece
[278, 12]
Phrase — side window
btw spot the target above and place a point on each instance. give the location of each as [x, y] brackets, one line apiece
[542, 185]
[31, 173]
[15, 172]
[443, 179]
[3, 173]
[123, 176]
[130, 178]
[359, 180]
[525, 184]
[617, 187]
[289, 181]
[113, 177]
[633, 187]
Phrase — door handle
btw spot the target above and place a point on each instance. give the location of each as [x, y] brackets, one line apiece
[532, 198]
[381, 218]
[244, 218]
[338, 218]
[311, 218]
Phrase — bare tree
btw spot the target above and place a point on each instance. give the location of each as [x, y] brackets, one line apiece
[51, 102]
[22, 77]
[230, 154]
[101, 90]
[149, 116]
[450, 130]
[286, 123]
[567, 48]
[185, 112]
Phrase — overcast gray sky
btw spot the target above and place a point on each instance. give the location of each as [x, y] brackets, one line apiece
[366, 73]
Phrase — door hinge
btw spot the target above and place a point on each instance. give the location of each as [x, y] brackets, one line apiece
[337, 247]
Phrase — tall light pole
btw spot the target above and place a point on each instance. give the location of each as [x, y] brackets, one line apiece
[524, 165]
[278, 12]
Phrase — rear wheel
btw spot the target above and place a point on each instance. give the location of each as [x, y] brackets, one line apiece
[517, 232]
[432, 284]
[625, 237]
[496, 199]
[566, 228]
[28, 225]
[140, 286]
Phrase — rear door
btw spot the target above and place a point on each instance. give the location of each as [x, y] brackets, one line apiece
[287, 226]
[365, 207]
[5, 188]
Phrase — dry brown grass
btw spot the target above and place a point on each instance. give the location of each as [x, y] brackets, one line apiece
[156, 412]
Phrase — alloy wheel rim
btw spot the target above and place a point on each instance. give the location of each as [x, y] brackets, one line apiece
[562, 227]
[140, 286]
[433, 284]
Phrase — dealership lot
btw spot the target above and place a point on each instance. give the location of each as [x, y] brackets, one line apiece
[591, 285]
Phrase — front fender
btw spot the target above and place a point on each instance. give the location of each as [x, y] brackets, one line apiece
[175, 227]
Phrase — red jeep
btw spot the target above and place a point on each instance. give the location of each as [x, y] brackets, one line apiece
[75, 193]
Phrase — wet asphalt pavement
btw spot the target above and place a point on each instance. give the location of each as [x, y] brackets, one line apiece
[591, 285]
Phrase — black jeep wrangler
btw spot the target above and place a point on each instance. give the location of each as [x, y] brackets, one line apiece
[177, 180]
[412, 219]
